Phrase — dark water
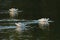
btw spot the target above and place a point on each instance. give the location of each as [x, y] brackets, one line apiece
[33, 32]
[32, 9]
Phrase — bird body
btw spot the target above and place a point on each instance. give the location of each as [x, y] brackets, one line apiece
[44, 23]
[13, 12]
[20, 27]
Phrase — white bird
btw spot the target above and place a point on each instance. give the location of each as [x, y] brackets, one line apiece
[44, 23]
[20, 27]
[13, 12]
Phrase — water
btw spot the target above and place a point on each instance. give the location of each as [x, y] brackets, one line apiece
[33, 33]
[32, 9]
